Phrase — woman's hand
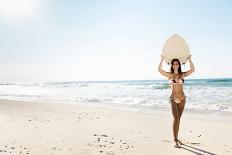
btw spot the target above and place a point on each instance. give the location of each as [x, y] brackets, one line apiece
[189, 57]
[162, 57]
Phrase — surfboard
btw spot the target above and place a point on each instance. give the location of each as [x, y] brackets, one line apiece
[175, 48]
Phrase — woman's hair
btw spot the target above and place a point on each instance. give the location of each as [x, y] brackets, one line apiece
[179, 69]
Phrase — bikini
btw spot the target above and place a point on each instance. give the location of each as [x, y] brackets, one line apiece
[171, 81]
[174, 81]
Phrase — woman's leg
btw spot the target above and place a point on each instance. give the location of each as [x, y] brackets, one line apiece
[180, 111]
[176, 117]
[181, 107]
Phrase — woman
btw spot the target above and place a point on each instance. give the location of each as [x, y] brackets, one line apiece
[177, 98]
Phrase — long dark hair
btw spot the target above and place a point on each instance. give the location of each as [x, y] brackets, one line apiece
[179, 69]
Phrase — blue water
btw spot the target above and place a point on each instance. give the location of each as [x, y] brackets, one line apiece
[202, 94]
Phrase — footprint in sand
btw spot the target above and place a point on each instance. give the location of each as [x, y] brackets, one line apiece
[226, 148]
[62, 147]
[14, 149]
[107, 144]
[166, 141]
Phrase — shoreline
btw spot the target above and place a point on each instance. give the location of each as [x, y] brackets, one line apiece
[51, 128]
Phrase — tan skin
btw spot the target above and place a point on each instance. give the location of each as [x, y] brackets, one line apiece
[177, 98]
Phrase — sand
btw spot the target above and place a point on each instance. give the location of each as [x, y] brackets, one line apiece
[35, 128]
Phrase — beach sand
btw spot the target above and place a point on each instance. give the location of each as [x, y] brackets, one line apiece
[66, 129]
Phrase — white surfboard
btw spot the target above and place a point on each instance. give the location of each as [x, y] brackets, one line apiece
[175, 48]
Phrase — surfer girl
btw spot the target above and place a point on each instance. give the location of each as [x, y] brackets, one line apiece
[177, 98]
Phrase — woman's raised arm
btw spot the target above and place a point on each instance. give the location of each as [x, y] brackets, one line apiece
[164, 73]
[192, 69]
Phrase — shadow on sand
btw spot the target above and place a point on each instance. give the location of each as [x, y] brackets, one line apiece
[196, 150]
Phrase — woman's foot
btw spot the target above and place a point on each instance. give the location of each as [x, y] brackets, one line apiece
[179, 142]
[176, 144]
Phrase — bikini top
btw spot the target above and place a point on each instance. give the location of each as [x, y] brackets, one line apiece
[176, 81]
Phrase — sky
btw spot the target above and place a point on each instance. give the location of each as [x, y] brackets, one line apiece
[94, 40]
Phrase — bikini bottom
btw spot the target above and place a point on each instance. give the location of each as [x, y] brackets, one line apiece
[177, 100]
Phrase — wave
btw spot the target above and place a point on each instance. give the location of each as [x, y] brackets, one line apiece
[220, 80]
[67, 84]
[200, 92]
[161, 86]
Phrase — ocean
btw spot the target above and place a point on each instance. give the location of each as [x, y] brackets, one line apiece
[202, 94]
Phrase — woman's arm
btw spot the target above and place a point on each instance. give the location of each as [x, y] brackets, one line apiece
[164, 73]
[192, 69]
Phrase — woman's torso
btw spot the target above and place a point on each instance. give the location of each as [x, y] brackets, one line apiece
[176, 83]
